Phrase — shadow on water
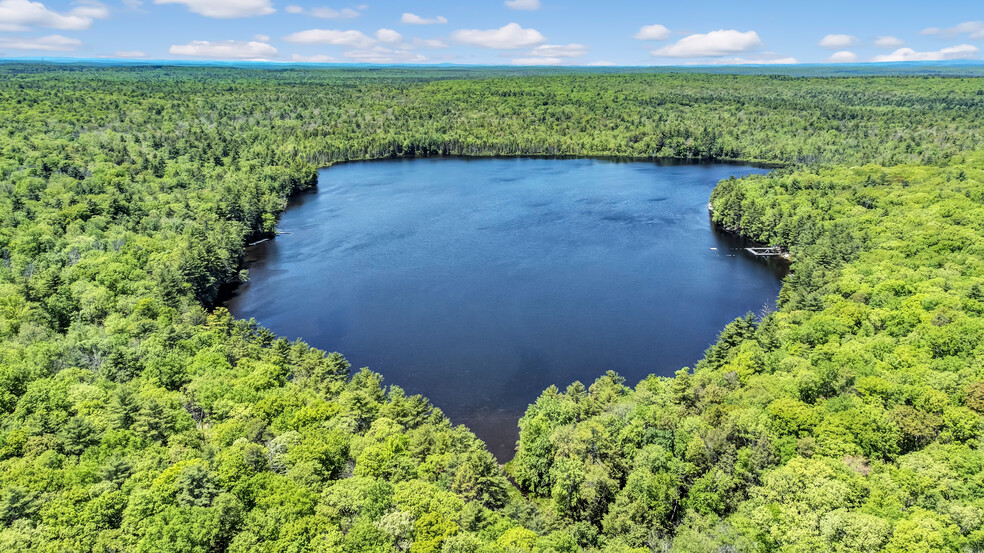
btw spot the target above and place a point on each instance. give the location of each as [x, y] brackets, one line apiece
[480, 282]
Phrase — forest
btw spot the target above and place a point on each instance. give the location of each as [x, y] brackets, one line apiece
[137, 416]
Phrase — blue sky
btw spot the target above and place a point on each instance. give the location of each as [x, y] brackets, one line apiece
[541, 32]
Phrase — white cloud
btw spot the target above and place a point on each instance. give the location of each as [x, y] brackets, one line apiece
[226, 49]
[21, 15]
[50, 43]
[537, 61]
[508, 37]
[527, 5]
[261, 38]
[843, 57]
[325, 12]
[380, 54]
[388, 46]
[224, 9]
[388, 35]
[434, 43]
[355, 39]
[889, 42]
[414, 19]
[712, 44]
[601, 64]
[961, 52]
[836, 42]
[129, 54]
[974, 30]
[552, 54]
[317, 58]
[748, 61]
[329, 13]
[560, 50]
[653, 32]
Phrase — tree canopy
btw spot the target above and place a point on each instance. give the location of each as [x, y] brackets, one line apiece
[135, 416]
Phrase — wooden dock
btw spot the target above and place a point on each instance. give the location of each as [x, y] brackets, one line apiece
[770, 251]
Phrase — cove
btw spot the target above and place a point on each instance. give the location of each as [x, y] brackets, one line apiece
[478, 283]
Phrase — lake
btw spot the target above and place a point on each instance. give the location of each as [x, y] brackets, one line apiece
[480, 282]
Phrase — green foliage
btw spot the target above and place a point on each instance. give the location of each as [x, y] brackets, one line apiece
[136, 417]
[833, 424]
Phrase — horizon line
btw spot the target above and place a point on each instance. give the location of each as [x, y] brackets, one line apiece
[149, 61]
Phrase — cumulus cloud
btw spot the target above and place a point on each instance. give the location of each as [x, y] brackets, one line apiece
[973, 29]
[560, 50]
[21, 15]
[767, 58]
[50, 43]
[552, 54]
[888, 42]
[225, 49]
[324, 12]
[414, 19]
[843, 57]
[225, 9]
[133, 54]
[508, 37]
[388, 35]
[836, 42]
[355, 39]
[527, 5]
[434, 43]
[388, 46]
[652, 32]
[713, 44]
[537, 61]
[961, 52]
[317, 58]
[328, 13]
[381, 54]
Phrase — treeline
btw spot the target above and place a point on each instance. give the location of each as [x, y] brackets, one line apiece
[131, 419]
[325, 116]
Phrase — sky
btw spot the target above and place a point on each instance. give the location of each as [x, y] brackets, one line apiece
[497, 32]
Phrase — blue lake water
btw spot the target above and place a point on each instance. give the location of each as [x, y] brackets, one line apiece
[480, 282]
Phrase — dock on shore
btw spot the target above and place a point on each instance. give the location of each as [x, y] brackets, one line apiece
[770, 251]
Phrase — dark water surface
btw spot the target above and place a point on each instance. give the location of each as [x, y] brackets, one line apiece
[480, 282]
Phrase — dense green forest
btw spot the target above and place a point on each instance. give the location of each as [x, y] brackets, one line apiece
[136, 417]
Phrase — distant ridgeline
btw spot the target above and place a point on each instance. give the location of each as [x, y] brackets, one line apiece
[131, 419]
